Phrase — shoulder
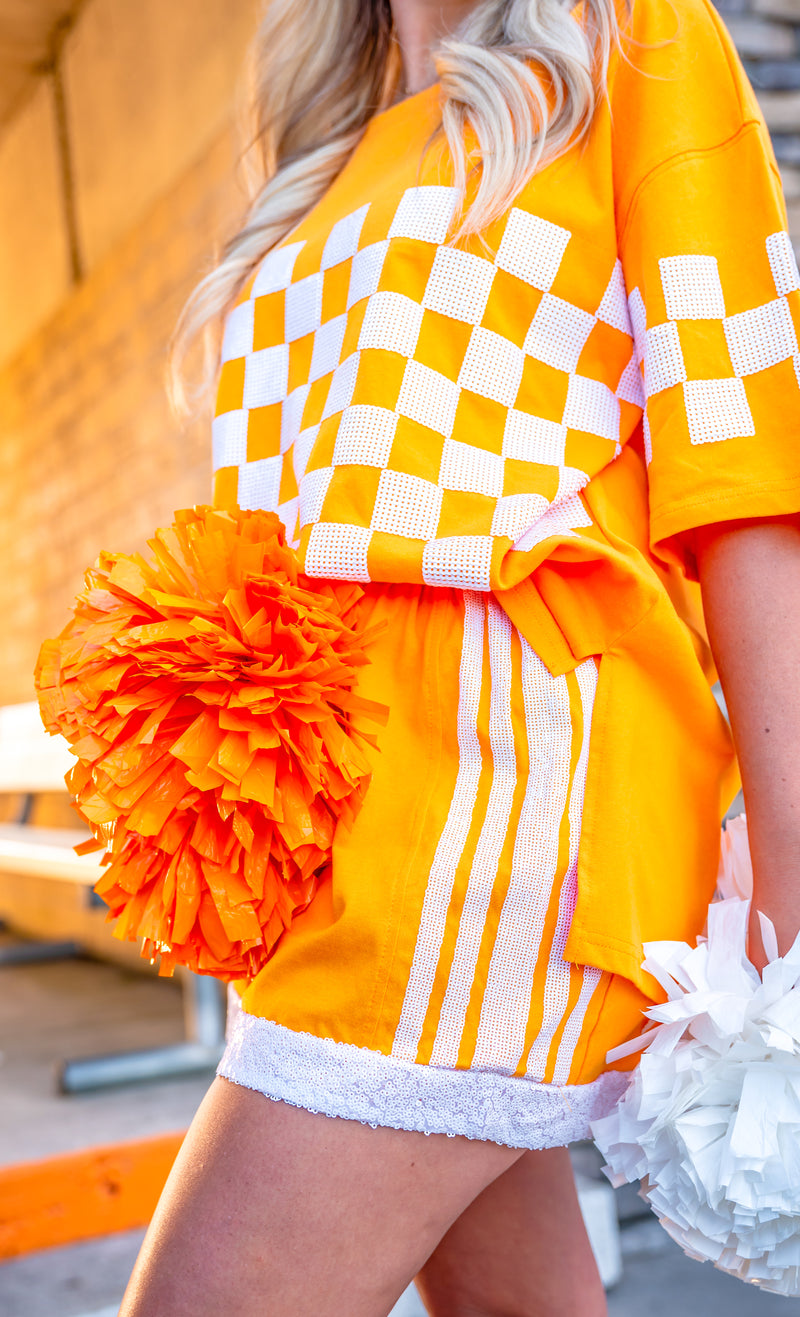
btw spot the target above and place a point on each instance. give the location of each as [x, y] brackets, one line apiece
[676, 84]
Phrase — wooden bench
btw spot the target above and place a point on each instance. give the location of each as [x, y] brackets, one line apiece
[32, 768]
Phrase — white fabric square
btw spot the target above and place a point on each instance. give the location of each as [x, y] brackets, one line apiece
[558, 332]
[761, 337]
[692, 288]
[365, 436]
[492, 366]
[459, 285]
[365, 271]
[562, 518]
[288, 514]
[516, 513]
[327, 347]
[613, 309]
[717, 409]
[571, 480]
[340, 394]
[471, 469]
[338, 551]
[631, 388]
[648, 439]
[229, 438]
[266, 376]
[275, 271]
[392, 322]
[424, 213]
[638, 315]
[663, 358]
[303, 307]
[592, 407]
[783, 263]
[313, 488]
[302, 450]
[292, 416]
[260, 484]
[342, 241]
[533, 439]
[462, 562]
[237, 339]
[428, 397]
[406, 505]
[532, 248]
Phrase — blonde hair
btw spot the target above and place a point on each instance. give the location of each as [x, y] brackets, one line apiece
[526, 75]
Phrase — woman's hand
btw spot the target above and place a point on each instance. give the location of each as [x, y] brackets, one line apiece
[750, 577]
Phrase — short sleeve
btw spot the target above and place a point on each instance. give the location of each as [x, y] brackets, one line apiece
[714, 297]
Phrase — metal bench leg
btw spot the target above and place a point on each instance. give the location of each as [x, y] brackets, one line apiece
[204, 1013]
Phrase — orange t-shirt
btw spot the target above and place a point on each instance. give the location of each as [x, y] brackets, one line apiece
[548, 412]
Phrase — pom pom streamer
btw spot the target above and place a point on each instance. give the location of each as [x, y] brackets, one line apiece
[710, 1122]
[209, 697]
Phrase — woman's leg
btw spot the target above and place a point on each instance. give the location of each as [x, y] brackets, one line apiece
[519, 1250]
[271, 1211]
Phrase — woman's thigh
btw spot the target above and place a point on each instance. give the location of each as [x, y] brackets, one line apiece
[273, 1211]
[519, 1250]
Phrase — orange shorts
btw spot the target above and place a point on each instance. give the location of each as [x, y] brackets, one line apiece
[425, 986]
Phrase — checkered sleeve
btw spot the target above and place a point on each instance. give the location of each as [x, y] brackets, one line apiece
[714, 302]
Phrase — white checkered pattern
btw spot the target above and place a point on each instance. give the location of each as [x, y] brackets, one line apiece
[470, 469]
[532, 248]
[428, 397]
[424, 213]
[266, 376]
[342, 241]
[365, 436]
[492, 366]
[761, 337]
[407, 505]
[459, 285]
[303, 307]
[392, 323]
[532, 439]
[558, 333]
[493, 372]
[692, 288]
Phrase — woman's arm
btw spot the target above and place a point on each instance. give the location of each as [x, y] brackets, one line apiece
[750, 577]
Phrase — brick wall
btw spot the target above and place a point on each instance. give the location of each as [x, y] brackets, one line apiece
[90, 456]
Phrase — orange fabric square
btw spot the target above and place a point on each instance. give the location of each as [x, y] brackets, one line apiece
[465, 513]
[269, 327]
[442, 343]
[351, 494]
[230, 391]
[508, 311]
[705, 349]
[543, 390]
[394, 558]
[480, 421]
[263, 432]
[588, 452]
[300, 353]
[605, 354]
[226, 487]
[416, 450]
[408, 270]
[522, 477]
[335, 285]
[380, 375]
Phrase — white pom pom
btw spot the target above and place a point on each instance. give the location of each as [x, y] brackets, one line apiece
[710, 1122]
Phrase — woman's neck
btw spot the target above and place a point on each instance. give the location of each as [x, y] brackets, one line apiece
[418, 25]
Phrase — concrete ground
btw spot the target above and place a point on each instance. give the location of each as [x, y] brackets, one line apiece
[77, 1007]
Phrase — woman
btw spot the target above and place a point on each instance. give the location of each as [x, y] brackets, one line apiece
[528, 379]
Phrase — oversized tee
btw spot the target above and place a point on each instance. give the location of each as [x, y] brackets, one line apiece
[547, 411]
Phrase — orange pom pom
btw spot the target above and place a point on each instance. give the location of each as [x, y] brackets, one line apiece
[209, 698]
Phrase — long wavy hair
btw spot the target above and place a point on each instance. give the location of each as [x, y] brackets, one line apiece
[526, 75]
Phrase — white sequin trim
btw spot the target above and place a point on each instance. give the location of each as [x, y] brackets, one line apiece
[355, 1083]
